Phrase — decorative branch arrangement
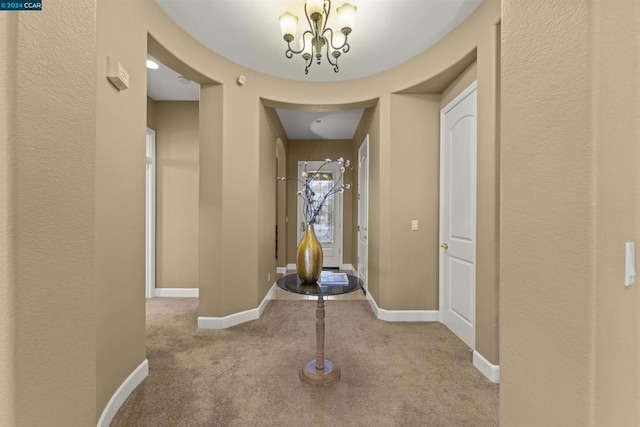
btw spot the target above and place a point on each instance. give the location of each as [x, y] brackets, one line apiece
[312, 202]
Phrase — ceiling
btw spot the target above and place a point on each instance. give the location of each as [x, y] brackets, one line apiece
[320, 125]
[386, 34]
[163, 85]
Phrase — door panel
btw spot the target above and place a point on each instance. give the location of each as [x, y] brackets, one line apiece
[458, 215]
[460, 296]
[462, 182]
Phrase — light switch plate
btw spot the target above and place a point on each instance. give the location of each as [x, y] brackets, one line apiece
[414, 224]
[629, 263]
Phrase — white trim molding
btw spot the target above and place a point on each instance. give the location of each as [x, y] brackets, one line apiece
[177, 292]
[266, 299]
[402, 315]
[121, 394]
[281, 270]
[489, 370]
[236, 318]
[292, 267]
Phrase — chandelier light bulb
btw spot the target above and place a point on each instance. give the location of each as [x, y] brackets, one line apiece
[306, 46]
[288, 26]
[315, 8]
[346, 17]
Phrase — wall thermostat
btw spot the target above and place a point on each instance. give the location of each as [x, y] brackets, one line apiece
[117, 74]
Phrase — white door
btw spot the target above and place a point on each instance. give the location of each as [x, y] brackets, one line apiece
[363, 209]
[328, 225]
[458, 146]
[150, 263]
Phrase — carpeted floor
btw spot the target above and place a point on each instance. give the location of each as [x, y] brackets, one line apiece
[393, 374]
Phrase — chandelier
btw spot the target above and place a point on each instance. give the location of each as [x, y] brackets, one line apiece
[319, 36]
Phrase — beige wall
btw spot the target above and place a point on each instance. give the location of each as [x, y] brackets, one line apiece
[120, 201]
[488, 195]
[177, 192]
[569, 162]
[617, 149]
[568, 158]
[462, 82]
[210, 213]
[238, 150]
[415, 193]
[151, 113]
[301, 150]
[48, 216]
[267, 166]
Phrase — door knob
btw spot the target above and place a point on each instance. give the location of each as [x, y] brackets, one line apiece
[444, 246]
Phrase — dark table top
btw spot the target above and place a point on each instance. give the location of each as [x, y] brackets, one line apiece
[292, 283]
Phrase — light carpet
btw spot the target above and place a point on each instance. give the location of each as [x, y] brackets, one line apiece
[393, 374]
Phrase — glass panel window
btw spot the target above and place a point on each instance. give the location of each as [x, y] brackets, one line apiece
[321, 185]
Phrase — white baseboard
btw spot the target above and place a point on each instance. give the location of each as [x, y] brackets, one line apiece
[266, 299]
[402, 315]
[177, 292]
[292, 267]
[489, 370]
[281, 270]
[372, 303]
[236, 318]
[121, 394]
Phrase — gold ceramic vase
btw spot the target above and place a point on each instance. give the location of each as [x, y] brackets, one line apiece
[309, 257]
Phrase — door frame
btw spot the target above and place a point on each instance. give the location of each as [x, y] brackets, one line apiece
[150, 215]
[441, 287]
[363, 146]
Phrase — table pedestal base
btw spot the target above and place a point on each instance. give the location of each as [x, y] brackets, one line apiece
[329, 375]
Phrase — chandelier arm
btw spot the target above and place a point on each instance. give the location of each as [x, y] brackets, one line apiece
[290, 52]
[346, 46]
[309, 21]
[308, 63]
[326, 7]
[330, 41]
[334, 63]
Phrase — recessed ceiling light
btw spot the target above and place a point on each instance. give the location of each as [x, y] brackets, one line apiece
[183, 79]
[152, 65]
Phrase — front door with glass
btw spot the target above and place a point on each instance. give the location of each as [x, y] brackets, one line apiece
[328, 225]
